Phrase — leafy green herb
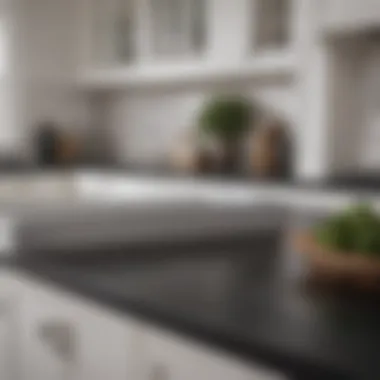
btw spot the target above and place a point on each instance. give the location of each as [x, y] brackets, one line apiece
[354, 230]
[226, 117]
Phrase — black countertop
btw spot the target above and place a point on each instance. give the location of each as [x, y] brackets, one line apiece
[251, 299]
[357, 181]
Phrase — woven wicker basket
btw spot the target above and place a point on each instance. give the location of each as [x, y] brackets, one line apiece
[342, 266]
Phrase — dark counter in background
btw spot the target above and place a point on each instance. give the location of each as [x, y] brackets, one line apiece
[355, 181]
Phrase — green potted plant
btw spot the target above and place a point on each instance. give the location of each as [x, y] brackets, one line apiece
[227, 119]
[345, 247]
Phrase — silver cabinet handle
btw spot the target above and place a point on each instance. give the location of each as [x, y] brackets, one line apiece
[60, 337]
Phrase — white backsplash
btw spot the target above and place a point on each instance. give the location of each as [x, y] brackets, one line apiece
[147, 126]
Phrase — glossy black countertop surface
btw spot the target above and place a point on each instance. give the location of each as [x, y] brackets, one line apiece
[251, 299]
[362, 182]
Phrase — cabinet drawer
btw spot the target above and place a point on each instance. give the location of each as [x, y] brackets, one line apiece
[66, 338]
[170, 357]
[47, 336]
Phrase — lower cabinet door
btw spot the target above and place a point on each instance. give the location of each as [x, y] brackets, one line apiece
[48, 336]
[8, 339]
[169, 357]
[64, 338]
[9, 327]
[67, 338]
[106, 345]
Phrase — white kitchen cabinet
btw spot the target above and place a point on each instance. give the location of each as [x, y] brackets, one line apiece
[345, 16]
[6, 363]
[63, 338]
[110, 32]
[177, 28]
[170, 357]
[48, 337]
[107, 346]
[272, 25]
[182, 41]
[119, 33]
[9, 355]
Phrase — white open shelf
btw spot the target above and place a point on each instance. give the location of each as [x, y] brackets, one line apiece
[274, 66]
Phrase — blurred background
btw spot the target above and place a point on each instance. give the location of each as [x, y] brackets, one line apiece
[127, 82]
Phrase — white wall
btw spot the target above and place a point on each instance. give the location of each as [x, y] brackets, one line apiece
[43, 57]
[149, 125]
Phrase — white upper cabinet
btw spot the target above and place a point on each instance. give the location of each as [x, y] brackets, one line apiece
[177, 28]
[124, 32]
[133, 42]
[271, 26]
[347, 16]
[112, 32]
